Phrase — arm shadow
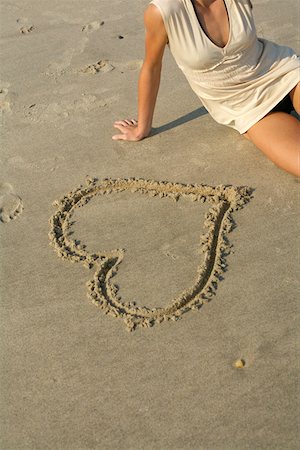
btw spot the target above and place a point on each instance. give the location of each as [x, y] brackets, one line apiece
[199, 112]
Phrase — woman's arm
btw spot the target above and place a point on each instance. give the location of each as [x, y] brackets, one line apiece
[149, 79]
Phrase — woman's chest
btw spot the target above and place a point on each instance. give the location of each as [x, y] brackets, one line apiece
[214, 21]
[197, 43]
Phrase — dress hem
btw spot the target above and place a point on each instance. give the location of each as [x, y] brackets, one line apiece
[263, 114]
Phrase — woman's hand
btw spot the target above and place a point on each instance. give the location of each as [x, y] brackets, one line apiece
[129, 130]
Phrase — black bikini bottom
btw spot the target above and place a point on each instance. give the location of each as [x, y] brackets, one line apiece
[285, 105]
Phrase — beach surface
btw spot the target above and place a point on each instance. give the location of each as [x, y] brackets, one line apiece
[149, 290]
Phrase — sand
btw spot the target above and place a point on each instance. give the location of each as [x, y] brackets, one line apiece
[189, 238]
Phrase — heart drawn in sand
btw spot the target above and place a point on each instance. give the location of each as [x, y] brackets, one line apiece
[215, 245]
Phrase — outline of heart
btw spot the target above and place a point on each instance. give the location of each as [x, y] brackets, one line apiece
[215, 245]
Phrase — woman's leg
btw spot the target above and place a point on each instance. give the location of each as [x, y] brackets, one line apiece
[277, 135]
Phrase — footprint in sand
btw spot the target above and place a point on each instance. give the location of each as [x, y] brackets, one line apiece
[4, 101]
[215, 245]
[135, 64]
[57, 112]
[130, 66]
[93, 26]
[102, 66]
[63, 63]
[25, 28]
[11, 204]
[60, 67]
[167, 252]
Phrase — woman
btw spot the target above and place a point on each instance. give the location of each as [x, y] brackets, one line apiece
[247, 83]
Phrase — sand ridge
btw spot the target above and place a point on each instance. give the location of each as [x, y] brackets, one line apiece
[215, 245]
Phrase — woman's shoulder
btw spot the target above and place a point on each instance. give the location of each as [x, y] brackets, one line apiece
[168, 7]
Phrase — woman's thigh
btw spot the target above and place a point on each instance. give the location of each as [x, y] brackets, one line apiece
[277, 135]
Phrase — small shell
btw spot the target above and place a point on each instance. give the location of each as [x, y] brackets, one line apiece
[239, 363]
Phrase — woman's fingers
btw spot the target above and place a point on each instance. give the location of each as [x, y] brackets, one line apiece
[126, 122]
[119, 126]
[121, 123]
[117, 137]
[120, 136]
[128, 128]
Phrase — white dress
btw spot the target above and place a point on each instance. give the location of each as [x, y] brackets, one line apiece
[239, 83]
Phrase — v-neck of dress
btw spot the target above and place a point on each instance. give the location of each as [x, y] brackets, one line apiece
[202, 29]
